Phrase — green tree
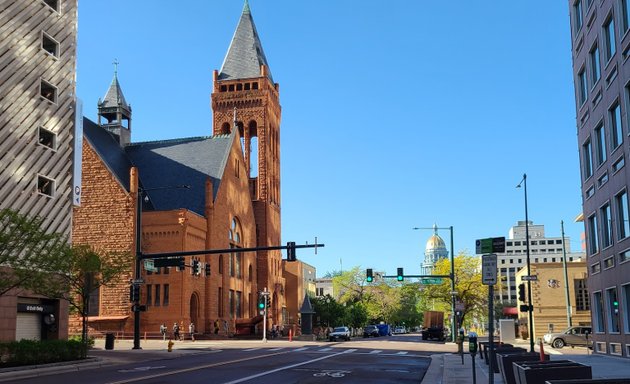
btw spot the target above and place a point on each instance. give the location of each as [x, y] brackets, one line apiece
[82, 271]
[470, 291]
[27, 252]
[329, 311]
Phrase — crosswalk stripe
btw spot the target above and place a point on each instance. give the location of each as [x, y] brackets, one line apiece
[402, 353]
[300, 349]
[276, 349]
[376, 351]
[251, 349]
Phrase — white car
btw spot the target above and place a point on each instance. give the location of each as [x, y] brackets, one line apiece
[339, 333]
[400, 330]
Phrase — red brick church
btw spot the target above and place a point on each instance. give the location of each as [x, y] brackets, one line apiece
[232, 201]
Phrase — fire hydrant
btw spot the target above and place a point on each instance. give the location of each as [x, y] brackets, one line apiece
[170, 345]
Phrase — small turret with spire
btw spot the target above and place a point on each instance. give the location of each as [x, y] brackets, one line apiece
[115, 110]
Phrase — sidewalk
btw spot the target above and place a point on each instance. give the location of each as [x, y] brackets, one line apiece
[448, 368]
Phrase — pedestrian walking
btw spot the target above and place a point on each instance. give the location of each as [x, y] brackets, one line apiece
[163, 331]
[191, 330]
[225, 325]
[216, 327]
[176, 331]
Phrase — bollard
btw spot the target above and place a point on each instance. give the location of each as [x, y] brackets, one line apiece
[170, 345]
[290, 335]
[542, 350]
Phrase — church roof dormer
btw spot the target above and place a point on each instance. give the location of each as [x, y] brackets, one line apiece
[245, 55]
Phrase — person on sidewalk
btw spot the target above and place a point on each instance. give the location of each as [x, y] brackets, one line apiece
[216, 327]
[191, 330]
[163, 331]
[176, 331]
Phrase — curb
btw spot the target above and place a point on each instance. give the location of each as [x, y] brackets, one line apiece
[435, 373]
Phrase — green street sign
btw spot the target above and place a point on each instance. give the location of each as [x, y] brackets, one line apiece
[431, 280]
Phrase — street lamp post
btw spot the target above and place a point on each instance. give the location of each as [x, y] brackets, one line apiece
[137, 274]
[452, 276]
[530, 309]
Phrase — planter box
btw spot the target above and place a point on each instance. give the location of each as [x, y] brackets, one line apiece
[586, 381]
[538, 372]
[503, 350]
[505, 361]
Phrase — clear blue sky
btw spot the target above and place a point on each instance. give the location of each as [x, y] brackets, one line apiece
[395, 114]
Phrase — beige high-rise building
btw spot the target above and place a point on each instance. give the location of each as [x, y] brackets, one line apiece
[37, 139]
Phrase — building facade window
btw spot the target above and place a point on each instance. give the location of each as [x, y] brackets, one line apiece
[625, 297]
[616, 129]
[607, 231]
[47, 138]
[48, 91]
[220, 300]
[581, 295]
[238, 304]
[621, 206]
[231, 303]
[617, 165]
[600, 135]
[45, 186]
[587, 159]
[613, 310]
[595, 65]
[54, 4]
[577, 15]
[149, 295]
[624, 256]
[625, 17]
[593, 240]
[50, 45]
[167, 294]
[609, 38]
[157, 295]
[583, 87]
[598, 316]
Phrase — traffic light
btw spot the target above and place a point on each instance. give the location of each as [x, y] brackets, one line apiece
[616, 307]
[291, 251]
[369, 275]
[207, 269]
[181, 263]
[521, 292]
[134, 292]
[196, 270]
[400, 275]
[261, 303]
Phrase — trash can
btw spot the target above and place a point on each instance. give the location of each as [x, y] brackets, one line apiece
[109, 341]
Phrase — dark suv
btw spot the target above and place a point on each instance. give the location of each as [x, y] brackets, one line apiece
[370, 330]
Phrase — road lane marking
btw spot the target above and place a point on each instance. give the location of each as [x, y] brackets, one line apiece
[376, 351]
[176, 372]
[300, 349]
[324, 349]
[284, 368]
[402, 353]
[250, 349]
[276, 349]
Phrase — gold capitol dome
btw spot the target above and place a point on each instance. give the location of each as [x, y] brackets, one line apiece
[435, 242]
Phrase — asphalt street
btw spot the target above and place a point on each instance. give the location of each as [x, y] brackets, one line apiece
[396, 359]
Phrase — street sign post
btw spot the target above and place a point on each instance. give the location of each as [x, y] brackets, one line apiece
[489, 269]
[149, 266]
[431, 280]
[529, 278]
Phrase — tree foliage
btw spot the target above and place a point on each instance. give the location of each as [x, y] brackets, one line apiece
[470, 291]
[82, 271]
[27, 252]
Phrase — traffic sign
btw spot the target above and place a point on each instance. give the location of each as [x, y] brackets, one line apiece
[149, 266]
[490, 245]
[431, 280]
[529, 278]
[489, 269]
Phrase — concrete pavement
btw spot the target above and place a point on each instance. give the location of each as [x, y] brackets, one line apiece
[448, 368]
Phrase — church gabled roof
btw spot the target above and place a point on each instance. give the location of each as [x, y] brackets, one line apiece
[114, 96]
[169, 163]
[245, 54]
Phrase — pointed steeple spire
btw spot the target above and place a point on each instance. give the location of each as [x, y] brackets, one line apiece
[115, 110]
[245, 54]
[114, 96]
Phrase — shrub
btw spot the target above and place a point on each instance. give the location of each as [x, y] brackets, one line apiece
[31, 352]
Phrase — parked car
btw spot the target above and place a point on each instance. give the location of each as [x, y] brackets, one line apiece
[400, 330]
[339, 333]
[572, 336]
[370, 331]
